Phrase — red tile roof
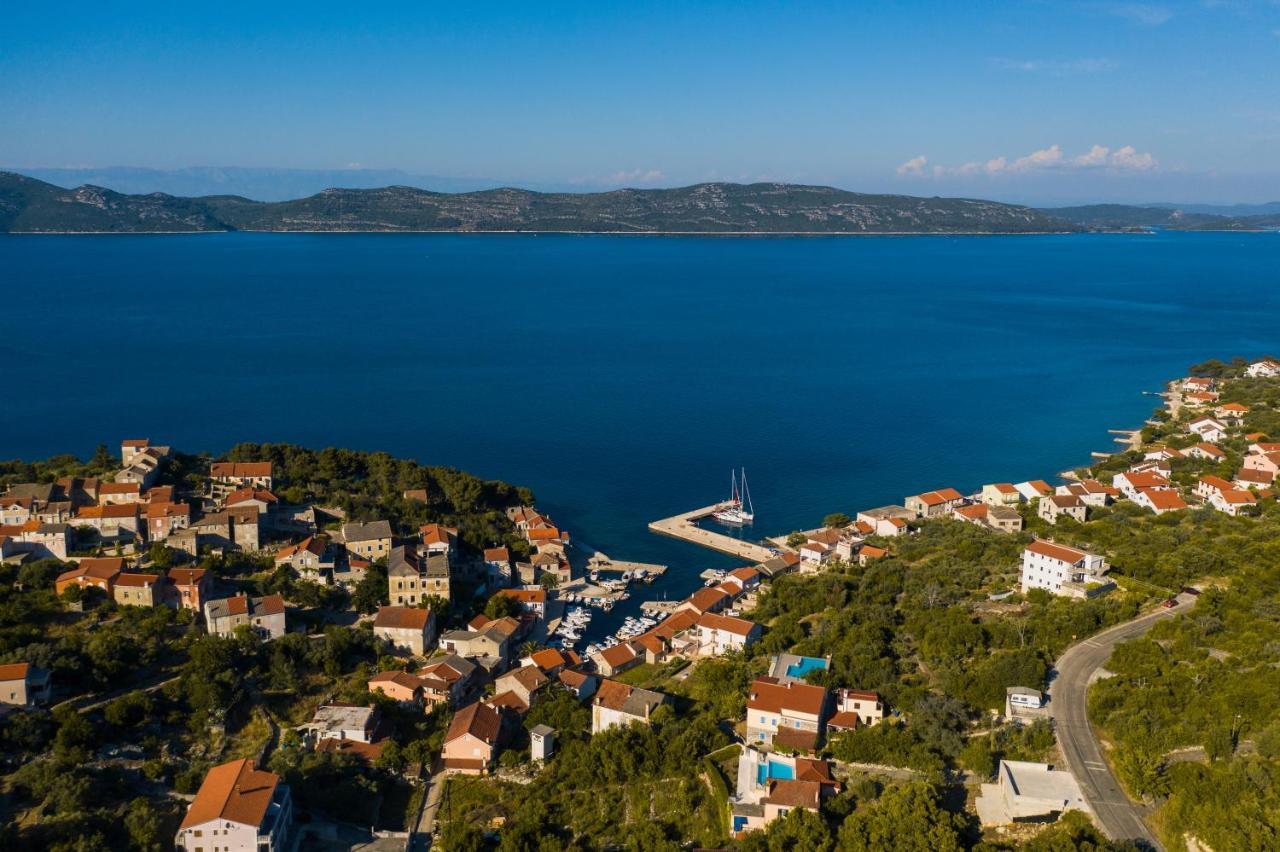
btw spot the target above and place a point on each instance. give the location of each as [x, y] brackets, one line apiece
[244, 495]
[1164, 500]
[736, 626]
[186, 576]
[402, 618]
[235, 792]
[619, 654]
[239, 469]
[136, 580]
[479, 720]
[795, 794]
[937, 498]
[772, 696]
[14, 671]
[1056, 551]
[705, 600]
[1145, 479]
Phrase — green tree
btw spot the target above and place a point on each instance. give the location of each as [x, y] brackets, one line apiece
[836, 520]
[372, 591]
[908, 818]
[144, 826]
[500, 606]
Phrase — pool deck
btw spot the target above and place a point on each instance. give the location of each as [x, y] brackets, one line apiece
[685, 527]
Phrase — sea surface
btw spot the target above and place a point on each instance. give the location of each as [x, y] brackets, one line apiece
[621, 378]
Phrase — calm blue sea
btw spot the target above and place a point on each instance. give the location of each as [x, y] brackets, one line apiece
[622, 377]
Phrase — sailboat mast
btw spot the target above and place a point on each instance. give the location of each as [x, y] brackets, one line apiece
[746, 493]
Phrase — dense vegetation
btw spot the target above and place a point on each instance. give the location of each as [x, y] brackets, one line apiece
[148, 702]
[921, 621]
[1210, 680]
[370, 486]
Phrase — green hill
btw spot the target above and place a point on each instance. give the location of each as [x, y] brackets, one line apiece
[31, 206]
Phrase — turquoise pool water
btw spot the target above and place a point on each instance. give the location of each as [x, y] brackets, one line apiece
[806, 665]
[775, 771]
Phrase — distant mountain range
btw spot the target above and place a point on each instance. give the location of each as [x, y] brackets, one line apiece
[28, 205]
[257, 183]
[1254, 217]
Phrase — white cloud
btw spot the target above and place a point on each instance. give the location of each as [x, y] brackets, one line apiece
[1143, 14]
[1056, 67]
[1129, 159]
[1051, 159]
[914, 166]
[636, 177]
[1045, 158]
[1097, 156]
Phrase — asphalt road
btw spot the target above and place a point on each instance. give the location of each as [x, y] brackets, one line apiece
[1119, 817]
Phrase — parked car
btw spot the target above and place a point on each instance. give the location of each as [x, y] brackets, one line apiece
[1170, 603]
[1190, 590]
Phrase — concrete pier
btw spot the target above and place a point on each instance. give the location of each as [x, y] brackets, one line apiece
[685, 527]
[601, 562]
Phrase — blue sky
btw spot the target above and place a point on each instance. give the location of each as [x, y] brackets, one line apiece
[1035, 101]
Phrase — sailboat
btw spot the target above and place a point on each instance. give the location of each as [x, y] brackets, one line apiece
[738, 509]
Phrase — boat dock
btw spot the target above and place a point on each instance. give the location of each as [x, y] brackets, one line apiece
[600, 562]
[659, 607]
[686, 527]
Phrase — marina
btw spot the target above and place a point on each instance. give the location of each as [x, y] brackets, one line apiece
[685, 527]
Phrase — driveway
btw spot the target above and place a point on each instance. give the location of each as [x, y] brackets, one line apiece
[1119, 817]
[420, 835]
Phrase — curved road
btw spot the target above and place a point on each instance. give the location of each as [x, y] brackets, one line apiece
[1119, 817]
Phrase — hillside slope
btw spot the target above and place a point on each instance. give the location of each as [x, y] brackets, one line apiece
[31, 206]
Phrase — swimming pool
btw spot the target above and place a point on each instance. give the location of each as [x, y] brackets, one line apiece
[806, 665]
[774, 771]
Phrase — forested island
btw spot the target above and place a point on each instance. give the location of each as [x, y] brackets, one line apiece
[28, 205]
[31, 206]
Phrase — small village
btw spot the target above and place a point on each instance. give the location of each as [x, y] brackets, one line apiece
[478, 637]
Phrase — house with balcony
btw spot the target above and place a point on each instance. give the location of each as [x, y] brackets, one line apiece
[791, 713]
[1063, 570]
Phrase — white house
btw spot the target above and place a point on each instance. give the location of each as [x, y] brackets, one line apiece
[813, 555]
[1001, 494]
[1232, 501]
[1062, 570]
[1062, 505]
[1159, 500]
[1210, 429]
[774, 707]
[1033, 489]
[866, 705]
[343, 722]
[1210, 485]
[1204, 451]
[238, 809]
[1090, 491]
[1131, 482]
[1028, 791]
[720, 634]
[1264, 369]
[617, 704]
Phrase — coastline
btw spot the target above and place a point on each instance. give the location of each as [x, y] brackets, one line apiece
[663, 233]
[564, 233]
